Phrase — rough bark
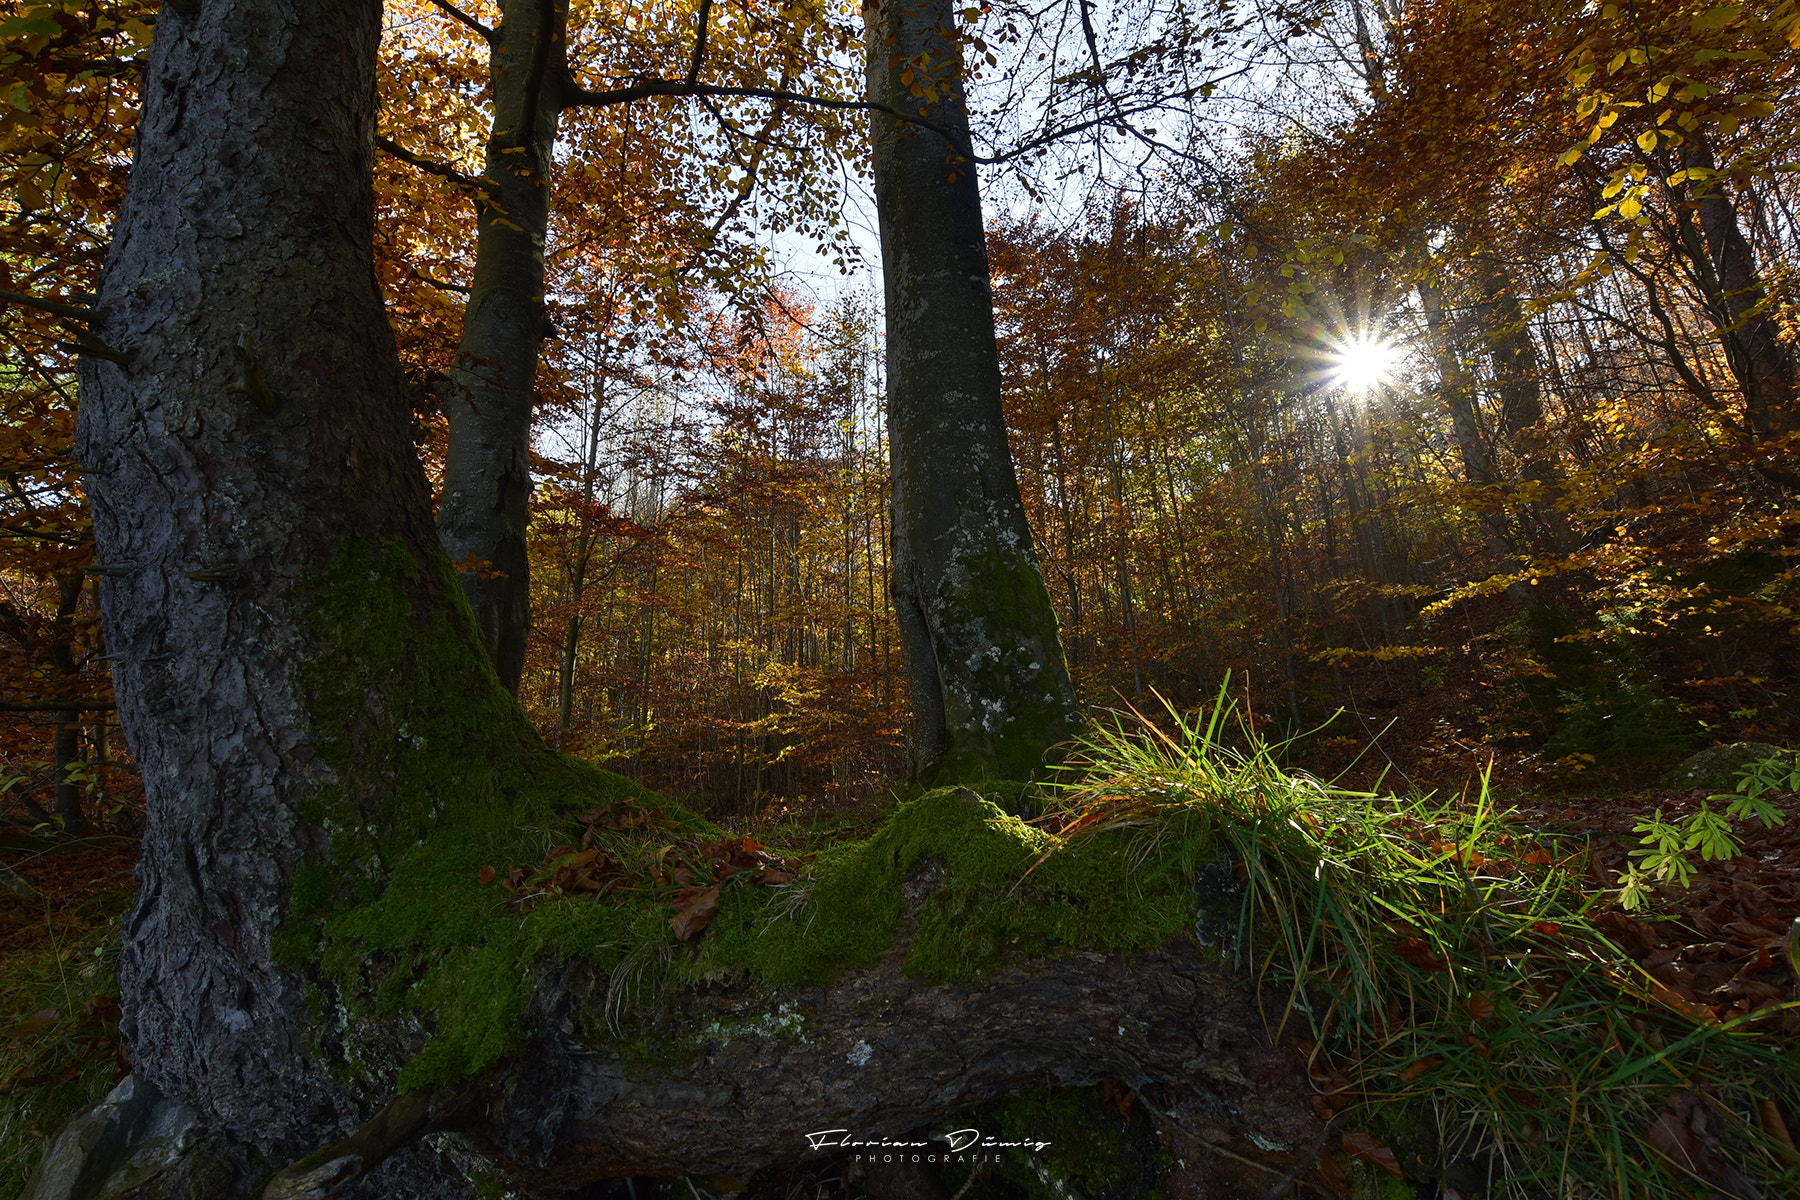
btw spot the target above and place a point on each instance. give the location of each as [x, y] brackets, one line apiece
[260, 422]
[989, 683]
[488, 395]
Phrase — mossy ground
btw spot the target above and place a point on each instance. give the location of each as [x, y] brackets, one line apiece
[437, 775]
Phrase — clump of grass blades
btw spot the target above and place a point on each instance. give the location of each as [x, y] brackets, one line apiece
[1442, 971]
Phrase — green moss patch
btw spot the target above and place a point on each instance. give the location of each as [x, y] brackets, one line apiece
[988, 894]
[434, 774]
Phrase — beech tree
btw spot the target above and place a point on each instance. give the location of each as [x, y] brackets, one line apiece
[989, 685]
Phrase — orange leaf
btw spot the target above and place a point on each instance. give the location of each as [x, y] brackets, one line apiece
[1416, 952]
[1369, 1150]
[485, 876]
[1480, 1005]
[1414, 1070]
[694, 907]
[1524, 1098]
[1676, 1148]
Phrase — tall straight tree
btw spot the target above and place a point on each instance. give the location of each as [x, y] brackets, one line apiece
[990, 687]
[487, 397]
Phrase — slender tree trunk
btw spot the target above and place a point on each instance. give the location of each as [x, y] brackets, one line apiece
[487, 398]
[1521, 399]
[253, 457]
[1761, 363]
[65, 741]
[989, 685]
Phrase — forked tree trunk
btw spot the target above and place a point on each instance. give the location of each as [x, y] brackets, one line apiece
[990, 687]
[259, 432]
[488, 395]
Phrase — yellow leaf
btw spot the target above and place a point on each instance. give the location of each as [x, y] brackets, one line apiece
[1717, 18]
[1647, 140]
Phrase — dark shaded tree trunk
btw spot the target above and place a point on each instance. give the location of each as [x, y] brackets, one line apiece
[1516, 378]
[260, 430]
[1458, 391]
[66, 740]
[488, 396]
[1737, 301]
[990, 687]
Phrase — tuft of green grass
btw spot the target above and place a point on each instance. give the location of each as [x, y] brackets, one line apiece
[1444, 973]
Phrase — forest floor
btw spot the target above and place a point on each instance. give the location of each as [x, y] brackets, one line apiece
[62, 901]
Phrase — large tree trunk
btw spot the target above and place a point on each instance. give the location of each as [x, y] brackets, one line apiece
[257, 438]
[487, 398]
[990, 687]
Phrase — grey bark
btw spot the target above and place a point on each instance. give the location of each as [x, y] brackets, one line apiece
[488, 397]
[261, 422]
[990, 686]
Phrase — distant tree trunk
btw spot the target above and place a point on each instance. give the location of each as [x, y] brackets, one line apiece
[990, 687]
[487, 398]
[1458, 392]
[259, 433]
[1502, 320]
[66, 739]
[1737, 300]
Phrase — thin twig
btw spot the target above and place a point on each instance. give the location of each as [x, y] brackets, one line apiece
[451, 10]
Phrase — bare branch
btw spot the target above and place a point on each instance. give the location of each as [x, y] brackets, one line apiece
[449, 9]
[700, 42]
[428, 165]
[582, 98]
[56, 308]
[71, 705]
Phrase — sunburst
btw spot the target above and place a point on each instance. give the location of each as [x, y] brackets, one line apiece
[1363, 362]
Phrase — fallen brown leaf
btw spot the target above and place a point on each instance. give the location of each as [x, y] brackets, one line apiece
[694, 907]
[1371, 1151]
